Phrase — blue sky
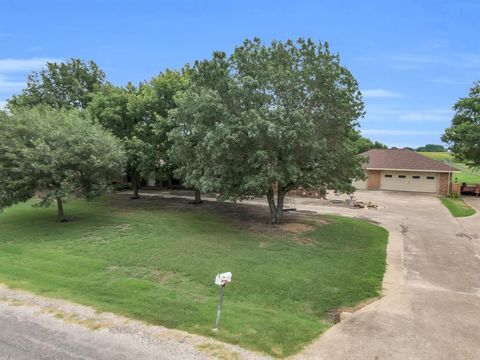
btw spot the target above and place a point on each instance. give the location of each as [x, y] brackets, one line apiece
[413, 59]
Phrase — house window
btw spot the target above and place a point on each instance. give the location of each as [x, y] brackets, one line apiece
[415, 177]
[430, 177]
[388, 175]
[401, 176]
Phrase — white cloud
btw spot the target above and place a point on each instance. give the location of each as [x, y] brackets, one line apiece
[448, 81]
[3, 103]
[22, 65]
[418, 59]
[391, 132]
[380, 93]
[8, 86]
[386, 112]
[427, 115]
[454, 60]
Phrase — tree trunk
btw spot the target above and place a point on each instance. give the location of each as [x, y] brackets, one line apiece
[135, 186]
[61, 214]
[276, 209]
[271, 201]
[198, 197]
[279, 212]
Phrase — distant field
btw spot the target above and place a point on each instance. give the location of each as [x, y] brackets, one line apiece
[467, 175]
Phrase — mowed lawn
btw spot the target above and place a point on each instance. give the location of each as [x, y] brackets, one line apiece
[458, 207]
[158, 265]
[467, 175]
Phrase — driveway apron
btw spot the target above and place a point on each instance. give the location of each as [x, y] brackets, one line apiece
[431, 303]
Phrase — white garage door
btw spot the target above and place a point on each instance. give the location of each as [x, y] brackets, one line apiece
[409, 181]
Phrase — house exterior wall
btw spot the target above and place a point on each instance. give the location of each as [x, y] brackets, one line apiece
[443, 184]
[373, 179]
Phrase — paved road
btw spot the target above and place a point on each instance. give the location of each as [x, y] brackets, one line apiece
[432, 306]
[27, 336]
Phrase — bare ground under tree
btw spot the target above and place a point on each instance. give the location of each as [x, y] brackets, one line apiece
[254, 218]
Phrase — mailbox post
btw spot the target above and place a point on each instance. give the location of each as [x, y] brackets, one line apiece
[221, 280]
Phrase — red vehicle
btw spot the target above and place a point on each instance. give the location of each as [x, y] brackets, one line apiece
[470, 189]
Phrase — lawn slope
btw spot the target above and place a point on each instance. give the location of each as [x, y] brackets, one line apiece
[158, 264]
[467, 175]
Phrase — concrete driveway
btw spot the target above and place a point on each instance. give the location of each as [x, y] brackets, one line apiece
[431, 307]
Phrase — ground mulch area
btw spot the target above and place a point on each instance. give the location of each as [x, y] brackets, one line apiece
[253, 218]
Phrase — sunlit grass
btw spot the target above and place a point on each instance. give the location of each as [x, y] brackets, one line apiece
[158, 265]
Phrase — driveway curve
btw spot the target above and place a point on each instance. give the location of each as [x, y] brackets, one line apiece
[431, 303]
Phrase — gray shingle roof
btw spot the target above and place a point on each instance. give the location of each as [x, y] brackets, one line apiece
[403, 159]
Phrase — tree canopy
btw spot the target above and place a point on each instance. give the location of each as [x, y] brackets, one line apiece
[464, 134]
[267, 120]
[55, 154]
[61, 85]
[363, 144]
[138, 116]
[431, 148]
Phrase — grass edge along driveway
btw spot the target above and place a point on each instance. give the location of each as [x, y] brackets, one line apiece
[157, 265]
[458, 207]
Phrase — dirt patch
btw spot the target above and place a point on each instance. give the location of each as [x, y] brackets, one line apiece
[297, 228]
[162, 276]
[333, 316]
[218, 351]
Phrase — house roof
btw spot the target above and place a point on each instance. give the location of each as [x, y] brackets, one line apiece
[403, 159]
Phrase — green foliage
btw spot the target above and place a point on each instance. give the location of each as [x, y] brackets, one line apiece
[158, 99]
[464, 134]
[363, 144]
[137, 115]
[61, 85]
[280, 114]
[431, 148]
[112, 107]
[157, 265]
[457, 207]
[56, 153]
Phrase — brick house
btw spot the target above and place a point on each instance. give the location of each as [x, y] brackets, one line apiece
[405, 170]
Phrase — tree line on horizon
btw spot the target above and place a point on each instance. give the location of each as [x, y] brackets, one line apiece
[261, 121]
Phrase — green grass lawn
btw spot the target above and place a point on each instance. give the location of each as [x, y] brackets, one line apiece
[467, 175]
[158, 265]
[458, 207]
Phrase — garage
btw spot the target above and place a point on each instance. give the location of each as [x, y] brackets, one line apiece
[404, 170]
[409, 181]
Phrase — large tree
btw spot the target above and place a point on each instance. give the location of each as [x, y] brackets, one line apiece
[55, 154]
[61, 85]
[158, 99]
[197, 111]
[119, 109]
[464, 134]
[271, 119]
[138, 116]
